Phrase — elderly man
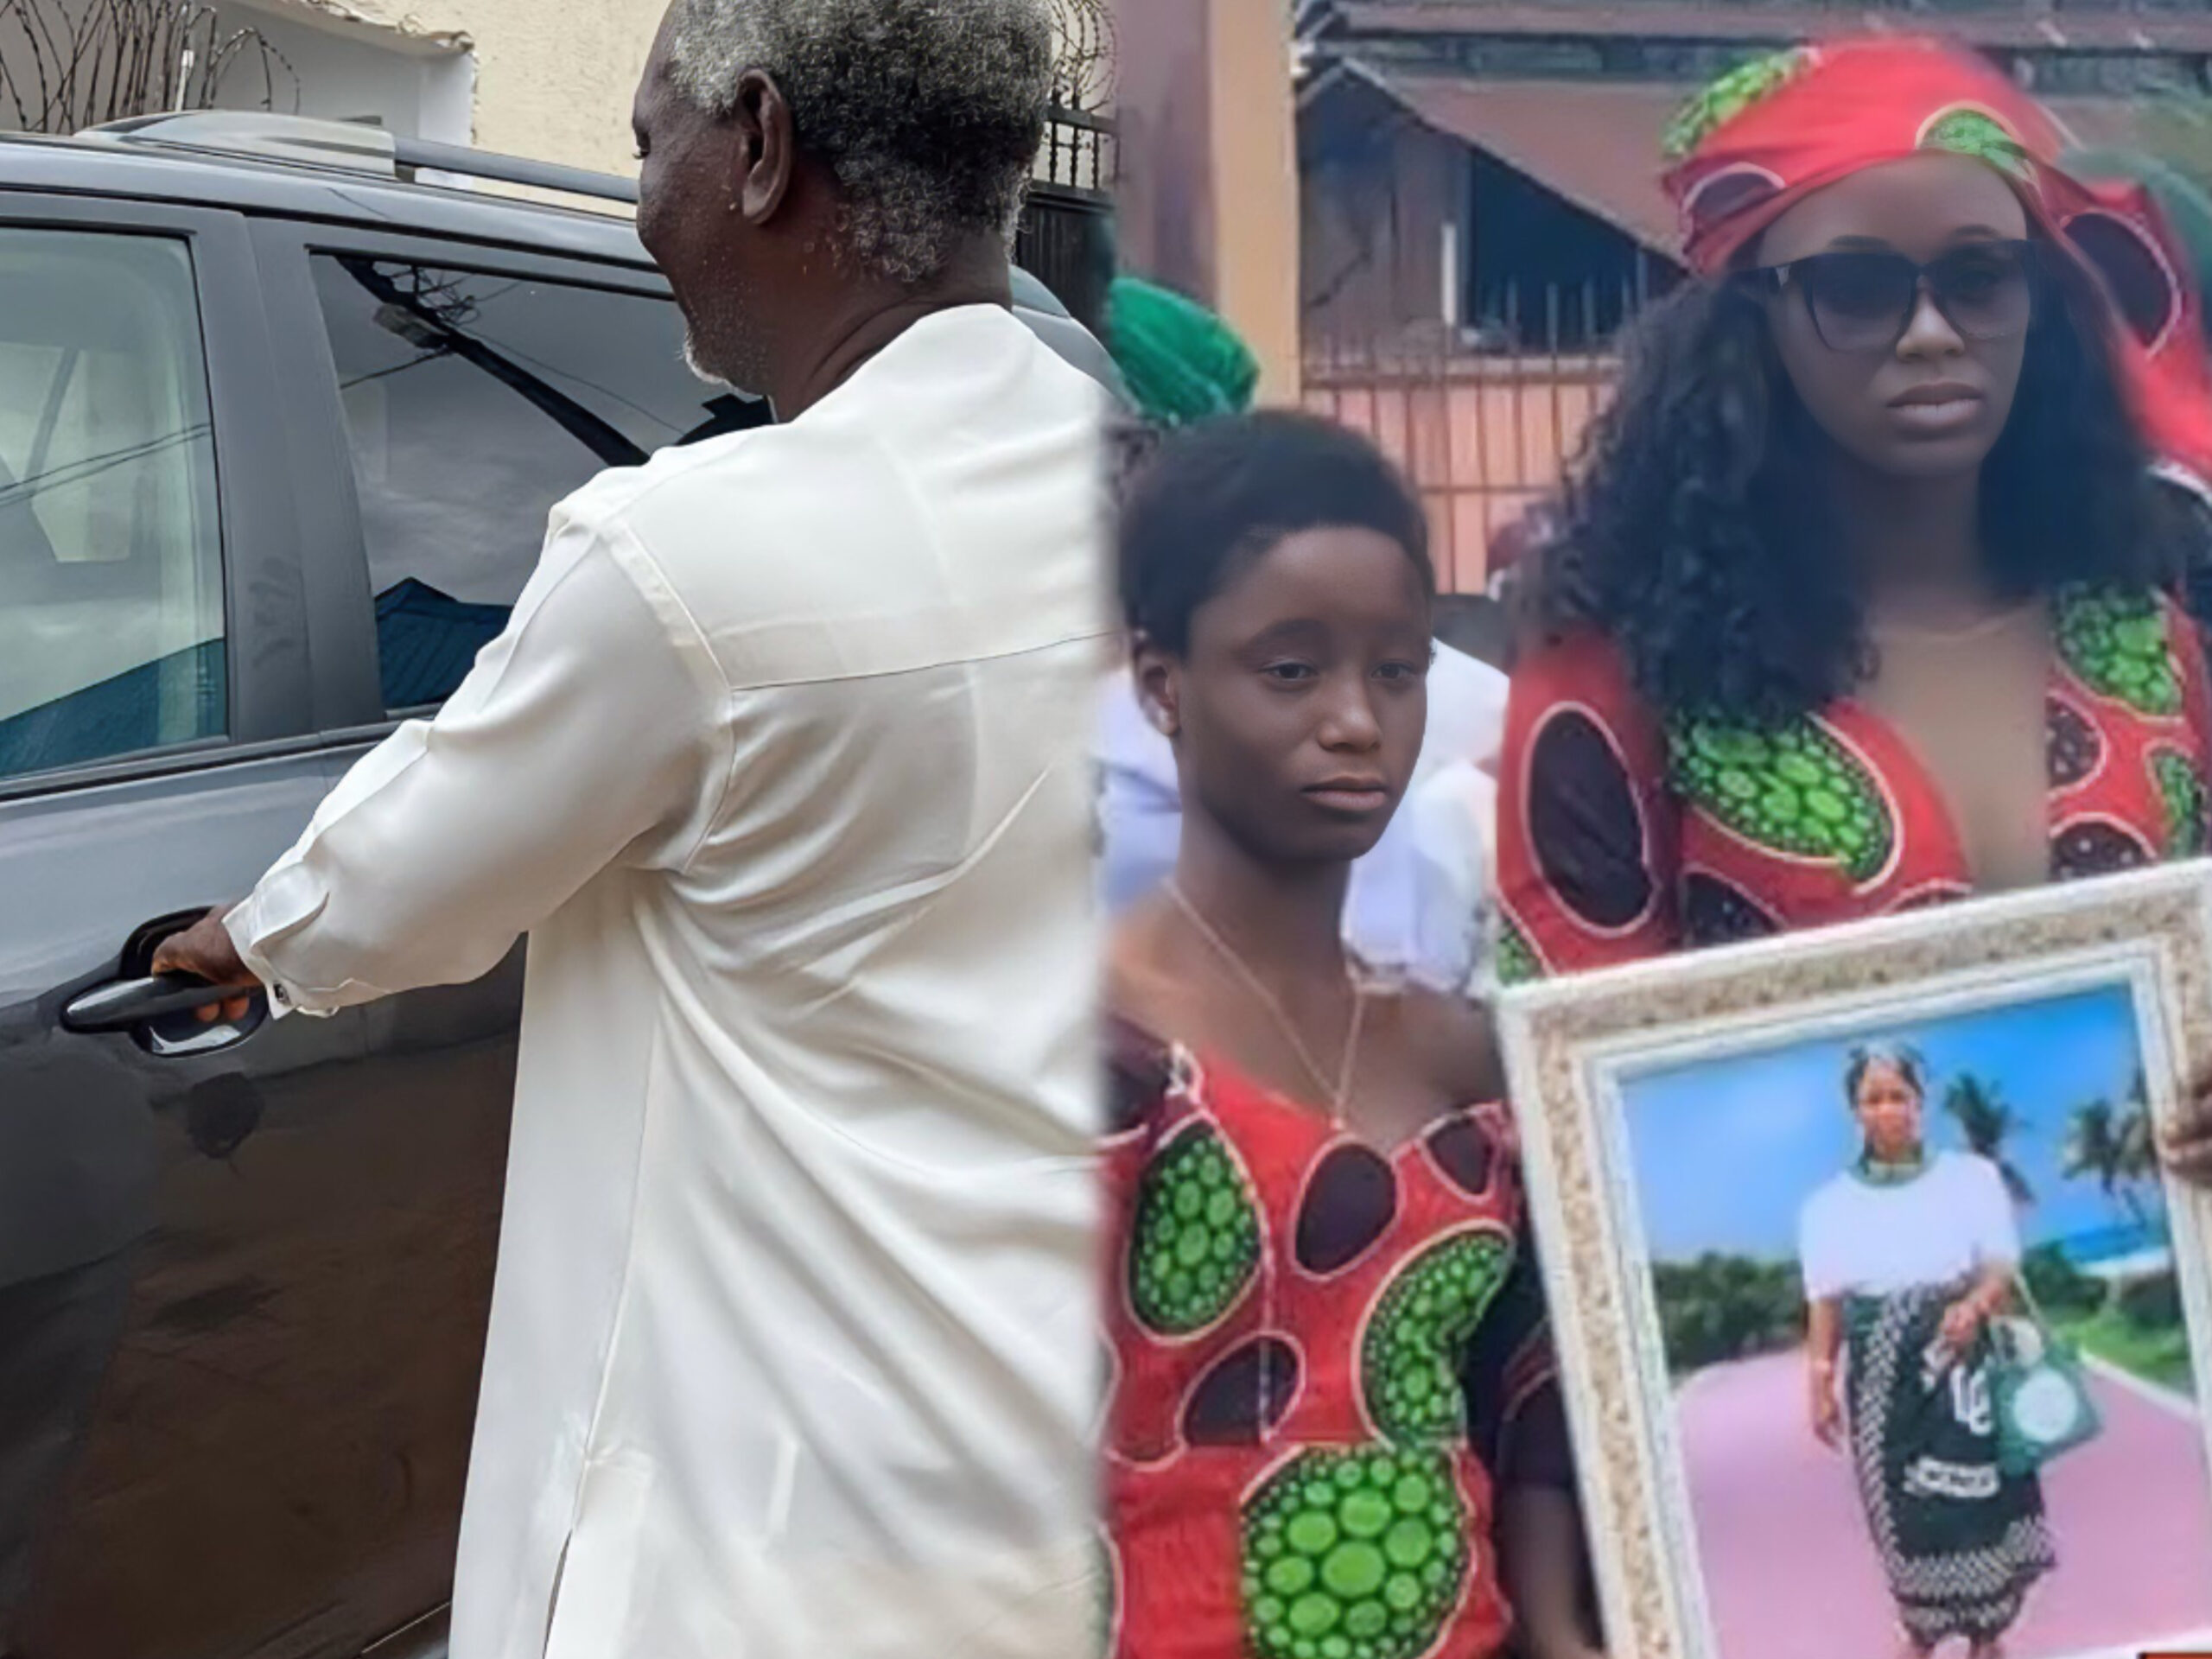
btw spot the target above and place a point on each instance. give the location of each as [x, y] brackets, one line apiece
[780, 765]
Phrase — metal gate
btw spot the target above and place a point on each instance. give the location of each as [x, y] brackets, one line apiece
[1484, 426]
[1065, 239]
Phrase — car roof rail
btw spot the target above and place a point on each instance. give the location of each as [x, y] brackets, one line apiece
[467, 162]
[355, 147]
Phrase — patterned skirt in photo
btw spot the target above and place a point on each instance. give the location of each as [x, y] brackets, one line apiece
[1961, 1542]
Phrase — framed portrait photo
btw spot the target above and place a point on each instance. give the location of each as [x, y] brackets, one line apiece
[1881, 1330]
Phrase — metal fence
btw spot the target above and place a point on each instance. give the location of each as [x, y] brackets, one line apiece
[67, 65]
[1483, 423]
[1077, 153]
[1065, 239]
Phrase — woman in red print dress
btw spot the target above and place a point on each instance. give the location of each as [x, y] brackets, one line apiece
[1316, 1252]
[1860, 607]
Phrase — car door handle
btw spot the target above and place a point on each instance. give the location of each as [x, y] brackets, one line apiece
[127, 1004]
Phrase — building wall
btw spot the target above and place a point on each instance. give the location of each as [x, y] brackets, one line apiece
[1208, 201]
[417, 87]
[1165, 197]
[1255, 158]
[553, 78]
[1378, 199]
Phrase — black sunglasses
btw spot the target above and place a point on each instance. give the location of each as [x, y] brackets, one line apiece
[1863, 301]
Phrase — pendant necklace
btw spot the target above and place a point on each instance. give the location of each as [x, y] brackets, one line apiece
[1335, 1095]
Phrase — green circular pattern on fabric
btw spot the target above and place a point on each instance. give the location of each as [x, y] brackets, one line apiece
[1365, 1514]
[2182, 790]
[1410, 1359]
[1194, 1248]
[1728, 97]
[1792, 788]
[1516, 959]
[1318, 1584]
[1975, 133]
[2116, 644]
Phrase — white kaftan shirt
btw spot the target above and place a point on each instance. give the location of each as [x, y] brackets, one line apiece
[781, 764]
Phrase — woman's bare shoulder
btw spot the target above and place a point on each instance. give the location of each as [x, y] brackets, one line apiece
[1138, 986]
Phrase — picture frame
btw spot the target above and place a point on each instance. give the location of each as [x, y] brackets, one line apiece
[1666, 1109]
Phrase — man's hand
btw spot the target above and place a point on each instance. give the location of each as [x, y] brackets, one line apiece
[205, 951]
[2186, 1148]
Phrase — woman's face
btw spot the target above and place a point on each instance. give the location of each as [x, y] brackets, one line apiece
[1889, 1112]
[1299, 710]
[1933, 405]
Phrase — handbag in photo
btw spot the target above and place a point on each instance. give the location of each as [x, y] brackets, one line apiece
[2040, 1393]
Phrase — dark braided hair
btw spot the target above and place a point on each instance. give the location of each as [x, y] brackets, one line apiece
[1700, 537]
[1901, 1057]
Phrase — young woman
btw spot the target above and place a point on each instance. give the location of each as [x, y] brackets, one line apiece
[1317, 1230]
[1907, 1258]
[1859, 605]
[1857, 608]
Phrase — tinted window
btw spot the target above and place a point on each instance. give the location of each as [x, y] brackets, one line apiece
[474, 402]
[110, 552]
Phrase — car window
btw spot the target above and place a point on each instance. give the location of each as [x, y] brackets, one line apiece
[473, 403]
[110, 546]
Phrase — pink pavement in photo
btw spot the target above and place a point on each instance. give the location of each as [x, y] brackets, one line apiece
[1791, 1571]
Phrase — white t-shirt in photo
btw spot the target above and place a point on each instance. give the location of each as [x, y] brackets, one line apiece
[1856, 1237]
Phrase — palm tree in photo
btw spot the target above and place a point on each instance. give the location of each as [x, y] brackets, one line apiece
[1988, 1120]
[2093, 1149]
[2113, 1146]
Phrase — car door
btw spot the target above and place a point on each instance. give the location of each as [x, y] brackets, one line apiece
[244, 1273]
[155, 750]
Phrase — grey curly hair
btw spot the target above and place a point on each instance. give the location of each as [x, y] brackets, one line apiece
[930, 112]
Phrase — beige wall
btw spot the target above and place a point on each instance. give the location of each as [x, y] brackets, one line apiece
[1209, 196]
[554, 77]
[1255, 169]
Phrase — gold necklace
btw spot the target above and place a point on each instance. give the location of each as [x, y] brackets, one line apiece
[1335, 1095]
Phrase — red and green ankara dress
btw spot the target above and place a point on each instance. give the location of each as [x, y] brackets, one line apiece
[1622, 836]
[1299, 1323]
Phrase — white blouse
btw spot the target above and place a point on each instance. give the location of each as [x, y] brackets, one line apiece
[781, 765]
[1953, 1220]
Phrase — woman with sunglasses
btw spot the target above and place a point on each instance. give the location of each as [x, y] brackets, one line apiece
[1858, 607]
[1860, 604]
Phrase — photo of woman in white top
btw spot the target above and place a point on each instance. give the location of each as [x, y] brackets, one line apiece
[1908, 1254]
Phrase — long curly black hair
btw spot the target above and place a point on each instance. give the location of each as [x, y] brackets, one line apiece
[1698, 534]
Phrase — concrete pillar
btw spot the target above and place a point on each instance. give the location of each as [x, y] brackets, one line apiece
[1208, 202]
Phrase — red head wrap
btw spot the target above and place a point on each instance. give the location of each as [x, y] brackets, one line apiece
[1765, 136]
